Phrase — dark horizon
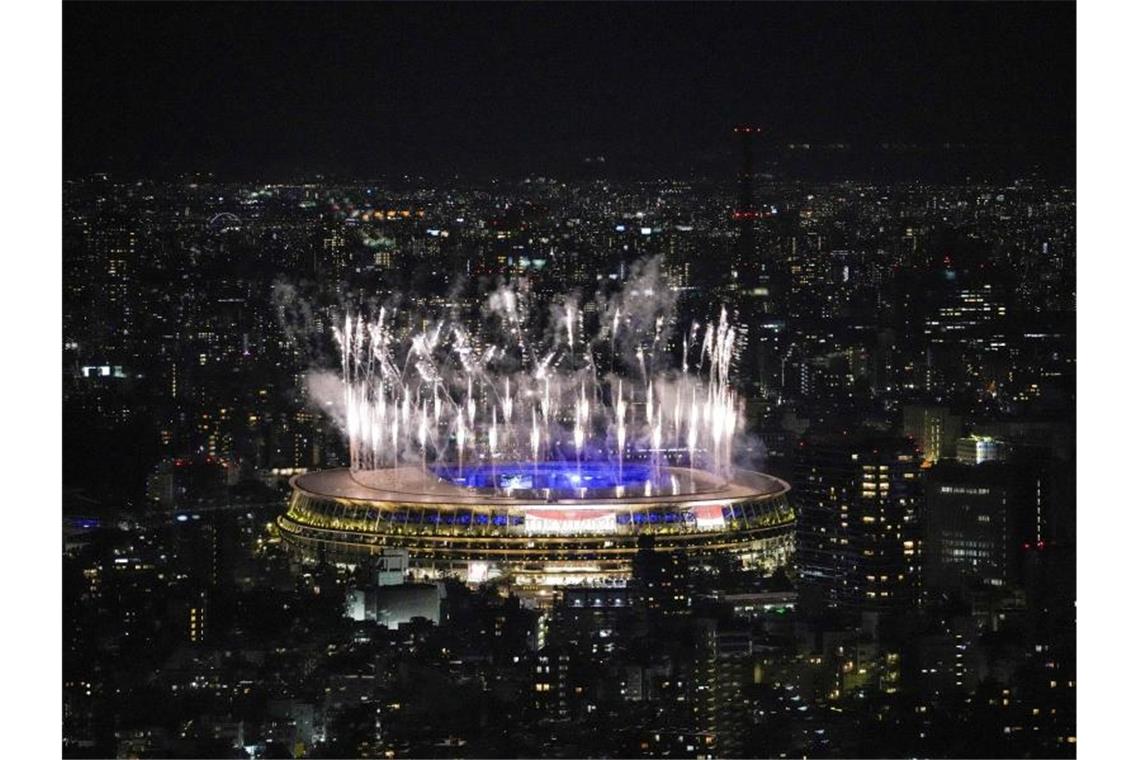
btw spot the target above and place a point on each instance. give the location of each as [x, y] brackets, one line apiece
[275, 91]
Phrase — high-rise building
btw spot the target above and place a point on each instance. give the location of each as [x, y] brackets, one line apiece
[968, 337]
[934, 430]
[858, 504]
[761, 324]
[748, 263]
[552, 683]
[661, 578]
[968, 530]
[198, 620]
[333, 264]
[113, 255]
[722, 669]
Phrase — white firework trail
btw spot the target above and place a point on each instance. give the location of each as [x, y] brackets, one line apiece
[407, 389]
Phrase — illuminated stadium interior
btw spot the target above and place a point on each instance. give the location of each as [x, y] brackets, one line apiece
[548, 480]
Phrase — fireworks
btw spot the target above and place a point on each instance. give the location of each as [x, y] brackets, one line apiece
[444, 394]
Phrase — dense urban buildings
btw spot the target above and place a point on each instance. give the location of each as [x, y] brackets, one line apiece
[681, 380]
[907, 368]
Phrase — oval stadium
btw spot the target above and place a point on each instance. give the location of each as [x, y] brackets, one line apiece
[537, 524]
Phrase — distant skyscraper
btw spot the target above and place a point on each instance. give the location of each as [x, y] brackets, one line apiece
[753, 283]
[113, 259]
[750, 265]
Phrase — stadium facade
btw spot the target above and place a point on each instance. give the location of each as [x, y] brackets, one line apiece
[539, 524]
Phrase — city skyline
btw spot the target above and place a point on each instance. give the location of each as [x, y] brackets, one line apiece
[569, 380]
[914, 338]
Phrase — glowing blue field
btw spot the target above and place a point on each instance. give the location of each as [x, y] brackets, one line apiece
[590, 478]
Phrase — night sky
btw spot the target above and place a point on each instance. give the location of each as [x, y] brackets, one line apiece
[275, 91]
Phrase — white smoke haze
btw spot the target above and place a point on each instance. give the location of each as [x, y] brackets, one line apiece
[295, 316]
[567, 380]
[326, 393]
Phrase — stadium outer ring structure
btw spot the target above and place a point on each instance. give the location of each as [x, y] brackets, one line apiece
[337, 516]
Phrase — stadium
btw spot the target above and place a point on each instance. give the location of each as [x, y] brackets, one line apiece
[536, 523]
[523, 459]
